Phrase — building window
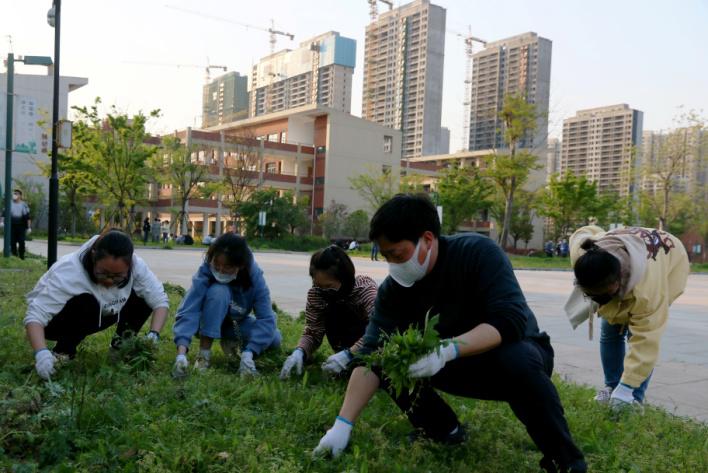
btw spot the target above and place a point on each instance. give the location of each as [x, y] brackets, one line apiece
[271, 168]
[319, 181]
[388, 144]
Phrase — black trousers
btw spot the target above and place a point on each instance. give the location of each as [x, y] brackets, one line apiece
[518, 373]
[17, 238]
[79, 318]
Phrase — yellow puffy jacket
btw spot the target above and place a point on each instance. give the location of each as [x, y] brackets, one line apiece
[660, 265]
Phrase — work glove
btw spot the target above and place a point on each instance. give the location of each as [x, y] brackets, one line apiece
[434, 361]
[336, 438]
[44, 363]
[248, 366]
[337, 363]
[179, 370]
[153, 336]
[293, 361]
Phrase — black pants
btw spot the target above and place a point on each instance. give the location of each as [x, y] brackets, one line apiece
[17, 238]
[79, 318]
[518, 373]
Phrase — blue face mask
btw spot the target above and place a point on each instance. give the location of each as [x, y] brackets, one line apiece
[223, 278]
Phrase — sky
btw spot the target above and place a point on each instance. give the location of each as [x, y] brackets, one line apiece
[649, 54]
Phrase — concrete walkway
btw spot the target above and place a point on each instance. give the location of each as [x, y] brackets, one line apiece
[680, 380]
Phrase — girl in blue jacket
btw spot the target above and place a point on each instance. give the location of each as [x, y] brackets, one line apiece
[229, 299]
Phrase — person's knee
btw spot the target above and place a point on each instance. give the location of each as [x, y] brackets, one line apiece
[218, 292]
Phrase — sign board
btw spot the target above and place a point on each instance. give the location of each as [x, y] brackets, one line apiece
[439, 207]
[261, 218]
[64, 134]
[27, 132]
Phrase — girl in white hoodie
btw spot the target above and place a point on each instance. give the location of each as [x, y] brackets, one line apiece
[87, 291]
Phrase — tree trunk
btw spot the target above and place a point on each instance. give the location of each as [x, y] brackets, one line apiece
[182, 219]
[507, 213]
[663, 224]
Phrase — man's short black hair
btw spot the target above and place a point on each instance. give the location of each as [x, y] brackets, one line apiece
[17, 191]
[405, 217]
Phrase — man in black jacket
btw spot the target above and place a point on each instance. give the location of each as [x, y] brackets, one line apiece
[494, 350]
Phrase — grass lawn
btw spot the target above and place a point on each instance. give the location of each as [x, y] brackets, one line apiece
[98, 416]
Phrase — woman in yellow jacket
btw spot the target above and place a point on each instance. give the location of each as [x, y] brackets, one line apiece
[632, 275]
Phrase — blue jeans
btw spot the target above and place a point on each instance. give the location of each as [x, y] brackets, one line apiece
[612, 349]
[218, 305]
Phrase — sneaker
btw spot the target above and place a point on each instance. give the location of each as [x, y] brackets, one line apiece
[454, 438]
[202, 364]
[620, 406]
[603, 395]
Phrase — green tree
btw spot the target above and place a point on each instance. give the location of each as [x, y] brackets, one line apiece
[570, 201]
[463, 194]
[375, 188]
[510, 171]
[116, 154]
[173, 165]
[332, 220]
[282, 215]
[522, 220]
[356, 225]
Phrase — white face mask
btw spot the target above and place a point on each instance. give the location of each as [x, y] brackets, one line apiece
[406, 274]
[223, 278]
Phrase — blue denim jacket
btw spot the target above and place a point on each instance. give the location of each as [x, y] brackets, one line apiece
[255, 299]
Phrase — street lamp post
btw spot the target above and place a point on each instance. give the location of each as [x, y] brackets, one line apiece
[54, 19]
[30, 61]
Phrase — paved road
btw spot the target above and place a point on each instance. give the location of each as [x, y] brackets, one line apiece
[680, 382]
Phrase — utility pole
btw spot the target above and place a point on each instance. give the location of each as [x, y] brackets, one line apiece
[55, 21]
[8, 154]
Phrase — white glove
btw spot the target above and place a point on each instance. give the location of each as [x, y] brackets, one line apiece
[622, 396]
[179, 370]
[337, 363]
[153, 336]
[433, 361]
[44, 363]
[248, 366]
[293, 361]
[29, 230]
[336, 438]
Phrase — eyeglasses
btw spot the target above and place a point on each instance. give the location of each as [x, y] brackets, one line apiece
[115, 278]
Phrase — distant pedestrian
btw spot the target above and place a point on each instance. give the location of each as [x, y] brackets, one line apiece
[338, 307]
[165, 227]
[146, 230]
[374, 251]
[632, 275]
[155, 229]
[548, 248]
[21, 224]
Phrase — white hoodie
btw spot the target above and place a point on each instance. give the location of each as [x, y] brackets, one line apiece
[67, 278]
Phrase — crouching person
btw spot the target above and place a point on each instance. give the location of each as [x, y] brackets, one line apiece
[338, 306]
[227, 288]
[102, 284]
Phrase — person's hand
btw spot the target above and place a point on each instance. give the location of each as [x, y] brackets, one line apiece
[337, 363]
[293, 361]
[179, 370]
[248, 366]
[434, 361]
[153, 336]
[29, 230]
[336, 438]
[44, 363]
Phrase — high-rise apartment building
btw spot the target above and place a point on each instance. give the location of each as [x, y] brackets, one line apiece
[517, 65]
[553, 157]
[225, 100]
[403, 74]
[318, 72]
[602, 144]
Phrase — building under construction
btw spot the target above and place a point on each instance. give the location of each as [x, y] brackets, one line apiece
[225, 100]
[318, 72]
[403, 74]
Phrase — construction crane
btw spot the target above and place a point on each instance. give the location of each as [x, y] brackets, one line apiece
[374, 9]
[272, 31]
[467, 102]
[206, 68]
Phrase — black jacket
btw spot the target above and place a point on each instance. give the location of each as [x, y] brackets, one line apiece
[472, 283]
